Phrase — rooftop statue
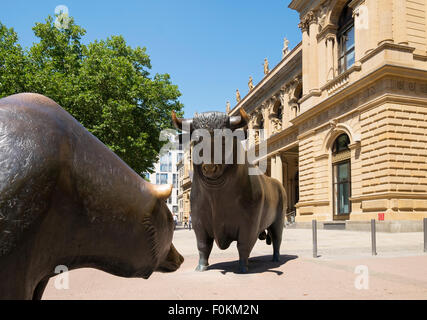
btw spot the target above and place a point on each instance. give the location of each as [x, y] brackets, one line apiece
[285, 50]
[250, 83]
[238, 98]
[266, 69]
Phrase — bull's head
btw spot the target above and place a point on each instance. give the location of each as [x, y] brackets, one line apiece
[139, 241]
[211, 122]
[159, 227]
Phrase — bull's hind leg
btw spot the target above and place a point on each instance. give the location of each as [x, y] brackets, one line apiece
[204, 245]
[276, 231]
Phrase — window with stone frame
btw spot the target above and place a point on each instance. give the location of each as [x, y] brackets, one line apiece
[341, 172]
[345, 36]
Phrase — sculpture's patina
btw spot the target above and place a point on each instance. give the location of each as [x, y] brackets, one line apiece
[66, 199]
[228, 204]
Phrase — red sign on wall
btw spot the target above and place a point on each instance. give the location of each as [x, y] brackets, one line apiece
[381, 216]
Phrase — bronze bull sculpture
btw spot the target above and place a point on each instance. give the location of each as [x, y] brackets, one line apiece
[66, 199]
[227, 203]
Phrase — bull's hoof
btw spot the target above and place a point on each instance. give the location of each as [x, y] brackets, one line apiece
[243, 268]
[276, 257]
[201, 268]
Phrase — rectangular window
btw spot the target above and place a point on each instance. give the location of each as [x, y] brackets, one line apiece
[346, 47]
[342, 187]
[178, 157]
[166, 163]
[163, 178]
[175, 180]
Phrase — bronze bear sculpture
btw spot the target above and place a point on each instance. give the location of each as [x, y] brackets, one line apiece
[66, 199]
[227, 203]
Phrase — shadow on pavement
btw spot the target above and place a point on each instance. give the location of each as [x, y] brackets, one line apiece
[256, 265]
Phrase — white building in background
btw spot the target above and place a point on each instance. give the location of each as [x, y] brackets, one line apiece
[165, 172]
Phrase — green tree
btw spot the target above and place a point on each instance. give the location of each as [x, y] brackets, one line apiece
[105, 85]
[13, 63]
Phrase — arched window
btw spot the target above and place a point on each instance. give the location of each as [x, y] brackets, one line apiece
[341, 176]
[345, 37]
[341, 144]
[261, 123]
[279, 112]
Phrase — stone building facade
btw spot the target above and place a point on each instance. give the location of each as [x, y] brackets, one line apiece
[345, 112]
[184, 168]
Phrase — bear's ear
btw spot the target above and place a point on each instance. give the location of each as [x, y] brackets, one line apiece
[161, 192]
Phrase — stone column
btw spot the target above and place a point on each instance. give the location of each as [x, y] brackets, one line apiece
[279, 168]
[265, 115]
[322, 62]
[284, 99]
[361, 27]
[372, 34]
[251, 138]
[314, 54]
[400, 22]
[273, 167]
[286, 178]
[305, 57]
[330, 57]
[385, 19]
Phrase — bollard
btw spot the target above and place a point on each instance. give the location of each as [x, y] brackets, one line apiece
[373, 238]
[425, 234]
[314, 227]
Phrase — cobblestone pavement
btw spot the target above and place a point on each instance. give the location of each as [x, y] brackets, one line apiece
[399, 271]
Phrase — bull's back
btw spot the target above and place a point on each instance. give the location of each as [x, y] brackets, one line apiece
[42, 139]
[30, 145]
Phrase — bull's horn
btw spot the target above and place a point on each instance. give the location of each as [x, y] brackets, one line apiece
[162, 191]
[179, 123]
[239, 121]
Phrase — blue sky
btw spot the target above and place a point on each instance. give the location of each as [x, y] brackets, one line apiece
[210, 48]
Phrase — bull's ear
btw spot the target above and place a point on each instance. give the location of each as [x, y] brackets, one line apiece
[161, 192]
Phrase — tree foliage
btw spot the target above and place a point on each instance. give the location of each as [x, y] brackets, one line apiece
[105, 85]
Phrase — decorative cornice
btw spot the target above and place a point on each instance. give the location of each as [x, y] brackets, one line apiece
[312, 93]
[327, 31]
[389, 196]
[357, 86]
[307, 20]
[322, 157]
[384, 46]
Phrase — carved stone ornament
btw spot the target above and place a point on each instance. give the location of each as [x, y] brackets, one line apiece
[277, 125]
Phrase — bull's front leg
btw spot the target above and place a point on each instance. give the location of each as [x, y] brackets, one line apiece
[245, 247]
[204, 245]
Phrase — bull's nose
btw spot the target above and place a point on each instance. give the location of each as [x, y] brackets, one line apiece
[209, 168]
